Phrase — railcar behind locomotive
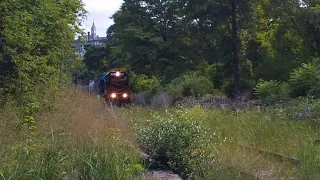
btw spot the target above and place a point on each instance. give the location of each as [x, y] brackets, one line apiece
[112, 86]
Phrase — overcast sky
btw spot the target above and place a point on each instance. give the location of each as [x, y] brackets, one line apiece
[101, 10]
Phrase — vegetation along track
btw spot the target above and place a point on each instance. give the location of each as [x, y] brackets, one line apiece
[279, 156]
[204, 50]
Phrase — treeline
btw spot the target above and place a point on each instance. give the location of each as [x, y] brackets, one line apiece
[36, 53]
[188, 47]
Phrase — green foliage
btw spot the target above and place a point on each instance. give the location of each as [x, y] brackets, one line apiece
[142, 83]
[175, 40]
[61, 160]
[274, 38]
[305, 80]
[178, 141]
[35, 51]
[248, 128]
[95, 59]
[107, 163]
[227, 86]
[308, 166]
[190, 84]
[63, 146]
[80, 72]
[272, 91]
[215, 72]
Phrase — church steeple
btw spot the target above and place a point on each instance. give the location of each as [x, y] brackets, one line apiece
[93, 31]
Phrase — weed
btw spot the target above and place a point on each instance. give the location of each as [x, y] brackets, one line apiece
[78, 139]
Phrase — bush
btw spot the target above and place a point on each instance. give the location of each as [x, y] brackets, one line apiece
[214, 72]
[142, 83]
[305, 80]
[177, 141]
[272, 91]
[245, 85]
[190, 84]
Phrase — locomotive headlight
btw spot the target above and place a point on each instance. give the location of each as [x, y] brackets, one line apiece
[113, 95]
[125, 95]
[117, 73]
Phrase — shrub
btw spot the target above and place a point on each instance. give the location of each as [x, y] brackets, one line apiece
[305, 80]
[142, 83]
[315, 90]
[213, 71]
[190, 84]
[245, 84]
[177, 141]
[272, 91]
[228, 87]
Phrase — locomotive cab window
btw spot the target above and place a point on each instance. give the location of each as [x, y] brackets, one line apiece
[118, 76]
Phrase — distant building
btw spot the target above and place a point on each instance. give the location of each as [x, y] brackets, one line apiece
[89, 40]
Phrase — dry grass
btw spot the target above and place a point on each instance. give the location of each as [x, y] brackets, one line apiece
[261, 130]
[9, 122]
[79, 127]
[79, 138]
[251, 162]
[85, 118]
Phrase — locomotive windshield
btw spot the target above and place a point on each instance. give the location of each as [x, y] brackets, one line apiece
[117, 79]
[118, 76]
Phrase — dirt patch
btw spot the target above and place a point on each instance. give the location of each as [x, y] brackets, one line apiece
[161, 175]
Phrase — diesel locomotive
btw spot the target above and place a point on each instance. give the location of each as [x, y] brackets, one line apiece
[113, 86]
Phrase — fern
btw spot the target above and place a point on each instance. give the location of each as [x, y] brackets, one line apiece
[272, 91]
[305, 80]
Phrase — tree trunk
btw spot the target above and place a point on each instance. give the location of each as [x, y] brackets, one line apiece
[235, 56]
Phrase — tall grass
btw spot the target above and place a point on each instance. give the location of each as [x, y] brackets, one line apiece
[239, 133]
[183, 144]
[268, 130]
[78, 139]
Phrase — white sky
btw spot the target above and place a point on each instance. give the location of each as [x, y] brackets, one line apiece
[101, 11]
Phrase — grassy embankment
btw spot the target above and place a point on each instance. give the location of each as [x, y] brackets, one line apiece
[239, 136]
[79, 138]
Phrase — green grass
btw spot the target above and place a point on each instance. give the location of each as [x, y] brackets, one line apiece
[77, 140]
[80, 139]
[262, 130]
[75, 161]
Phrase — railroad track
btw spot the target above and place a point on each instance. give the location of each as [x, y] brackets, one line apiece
[279, 156]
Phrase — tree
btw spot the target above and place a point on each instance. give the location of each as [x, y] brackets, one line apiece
[258, 39]
[35, 47]
[235, 55]
[95, 58]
